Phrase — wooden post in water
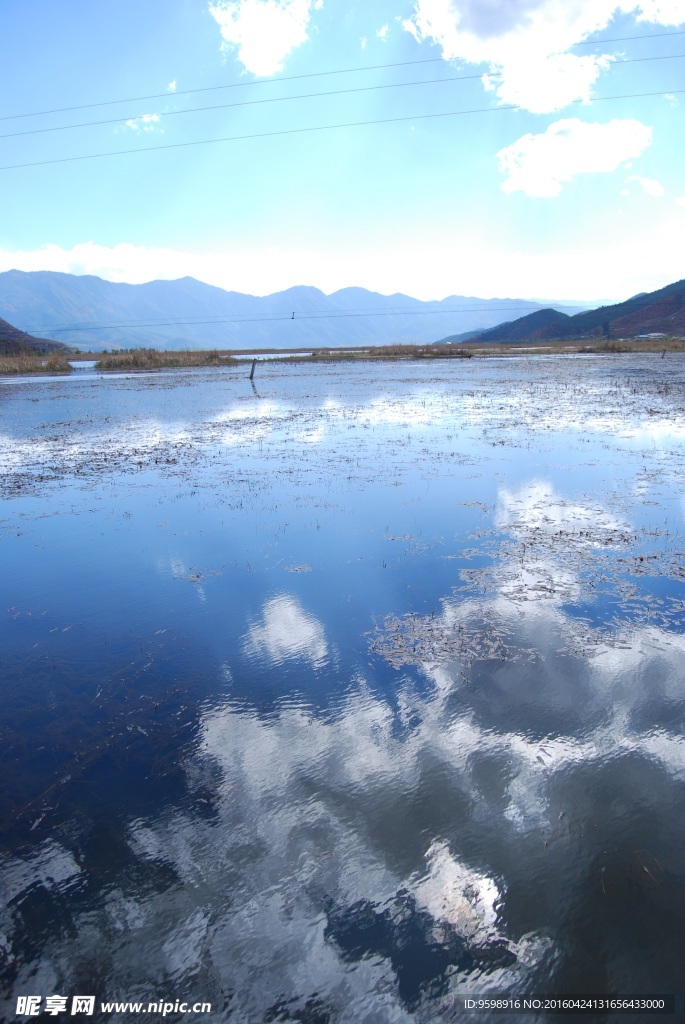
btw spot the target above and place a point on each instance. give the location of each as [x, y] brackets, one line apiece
[254, 363]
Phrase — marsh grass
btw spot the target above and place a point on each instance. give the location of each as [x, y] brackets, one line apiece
[154, 359]
[54, 363]
[635, 345]
[387, 353]
[573, 346]
[607, 346]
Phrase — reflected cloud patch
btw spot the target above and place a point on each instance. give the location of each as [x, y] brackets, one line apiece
[537, 506]
[450, 892]
[128, 447]
[254, 411]
[329, 852]
[287, 631]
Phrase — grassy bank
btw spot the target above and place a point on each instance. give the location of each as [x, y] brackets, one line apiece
[389, 352]
[469, 350]
[649, 345]
[34, 364]
[153, 359]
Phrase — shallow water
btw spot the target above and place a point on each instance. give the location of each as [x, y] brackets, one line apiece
[339, 697]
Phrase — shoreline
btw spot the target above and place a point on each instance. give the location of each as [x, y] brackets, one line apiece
[152, 359]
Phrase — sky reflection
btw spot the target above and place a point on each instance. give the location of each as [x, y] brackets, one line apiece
[378, 704]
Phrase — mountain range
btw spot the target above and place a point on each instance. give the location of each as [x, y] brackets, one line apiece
[88, 313]
[659, 312]
[91, 314]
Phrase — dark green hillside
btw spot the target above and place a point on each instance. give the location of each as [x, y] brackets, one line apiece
[659, 312]
[662, 311]
[14, 342]
[523, 328]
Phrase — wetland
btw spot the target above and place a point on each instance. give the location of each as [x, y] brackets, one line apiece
[344, 693]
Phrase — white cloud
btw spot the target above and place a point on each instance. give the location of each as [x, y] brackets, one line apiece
[526, 41]
[363, 42]
[124, 262]
[264, 32]
[172, 86]
[383, 32]
[650, 186]
[661, 12]
[539, 165]
[601, 268]
[144, 123]
[548, 83]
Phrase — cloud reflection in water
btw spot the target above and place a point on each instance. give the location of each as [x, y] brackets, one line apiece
[494, 803]
[287, 631]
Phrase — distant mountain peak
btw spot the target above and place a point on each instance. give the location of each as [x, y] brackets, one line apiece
[88, 312]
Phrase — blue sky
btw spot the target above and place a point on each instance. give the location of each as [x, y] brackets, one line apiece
[567, 196]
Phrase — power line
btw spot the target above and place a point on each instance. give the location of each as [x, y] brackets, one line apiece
[293, 78]
[215, 88]
[258, 135]
[296, 317]
[625, 39]
[317, 128]
[246, 103]
[300, 96]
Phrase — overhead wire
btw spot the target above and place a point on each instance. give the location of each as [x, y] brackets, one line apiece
[244, 103]
[167, 322]
[256, 318]
[300, 96]
[169, 94]
[292, 78]
[318, 128]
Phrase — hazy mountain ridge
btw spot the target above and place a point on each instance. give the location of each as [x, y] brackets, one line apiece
[102, 314]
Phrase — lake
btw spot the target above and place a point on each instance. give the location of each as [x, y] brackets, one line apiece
[347, 695]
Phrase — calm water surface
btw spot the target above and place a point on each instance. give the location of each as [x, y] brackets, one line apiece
[340, 697]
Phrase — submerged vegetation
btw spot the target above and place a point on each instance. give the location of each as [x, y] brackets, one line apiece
[405, 640]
